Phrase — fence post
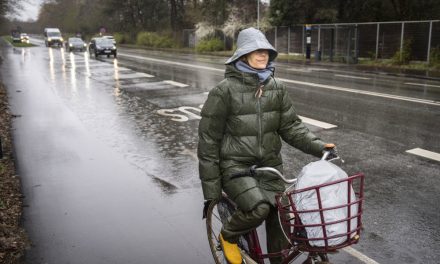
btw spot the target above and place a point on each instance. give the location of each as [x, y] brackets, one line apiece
[377, 41]
[303, 36]
[319, 38]
[401, 40]
[336, 41]
[429, 41]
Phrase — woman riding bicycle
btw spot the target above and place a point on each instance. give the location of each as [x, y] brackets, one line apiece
[243, 121]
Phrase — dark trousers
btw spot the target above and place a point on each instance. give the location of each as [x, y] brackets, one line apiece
[241, 223]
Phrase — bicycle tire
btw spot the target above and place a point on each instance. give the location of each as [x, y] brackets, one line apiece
[218, 213]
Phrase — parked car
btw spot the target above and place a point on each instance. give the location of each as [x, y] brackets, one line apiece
[24, 38]
[102, 46]
[73, 44]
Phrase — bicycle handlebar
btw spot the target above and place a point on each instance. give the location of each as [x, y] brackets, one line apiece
[252, 172]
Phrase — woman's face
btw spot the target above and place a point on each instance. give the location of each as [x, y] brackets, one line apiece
[258, 59]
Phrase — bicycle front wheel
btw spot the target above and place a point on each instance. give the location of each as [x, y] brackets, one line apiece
[217, 215]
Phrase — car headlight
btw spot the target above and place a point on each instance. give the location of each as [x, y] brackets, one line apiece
[61, 39]
[85, 45]
[98, 47]
[114, 47]
[71, 45]
[49, 39]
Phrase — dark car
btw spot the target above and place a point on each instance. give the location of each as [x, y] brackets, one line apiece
[73, 44]
[102, 46]
[15, 34]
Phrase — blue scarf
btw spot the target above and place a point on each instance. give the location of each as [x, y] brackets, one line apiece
[262, 74]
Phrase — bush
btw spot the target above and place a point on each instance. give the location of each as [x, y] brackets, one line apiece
[207, 45]
[122, 38]
[434, 57]
[154, 40]
[405, 57]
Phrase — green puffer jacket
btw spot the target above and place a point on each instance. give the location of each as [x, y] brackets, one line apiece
[238, 130]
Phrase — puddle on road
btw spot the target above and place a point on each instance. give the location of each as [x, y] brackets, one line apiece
[119, 107]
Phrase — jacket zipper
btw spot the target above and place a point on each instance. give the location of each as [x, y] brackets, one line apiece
[258, 95]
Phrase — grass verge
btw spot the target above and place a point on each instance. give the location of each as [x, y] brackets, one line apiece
[13, 238]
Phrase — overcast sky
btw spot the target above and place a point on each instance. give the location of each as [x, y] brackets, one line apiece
[31, 8]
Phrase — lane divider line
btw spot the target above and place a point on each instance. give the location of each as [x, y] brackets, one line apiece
[299, 70]
[317, 123]
[359, 255]
[424, 85]
[352, 77]
[425, 153]
[397, 97]
[178, 84]
[172, 62]
[331, 87]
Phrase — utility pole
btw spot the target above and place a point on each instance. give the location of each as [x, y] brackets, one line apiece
[258, 14]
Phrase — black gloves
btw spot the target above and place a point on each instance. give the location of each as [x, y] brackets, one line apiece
[206, 205]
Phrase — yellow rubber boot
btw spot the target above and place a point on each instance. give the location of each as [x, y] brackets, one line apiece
[231, 251]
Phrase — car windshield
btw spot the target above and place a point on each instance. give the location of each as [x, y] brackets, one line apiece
[53, 34]
[104, 41]
[75, 40]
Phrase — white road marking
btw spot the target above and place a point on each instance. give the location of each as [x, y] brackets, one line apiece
[133, 75]
[352, 77]
[318, 69]
[359, 255]
[172, 62]
[317, 123]
[397, 97]
[424, 85]
[425, 153]
[176, 83]
[190, 153]
[299, 70]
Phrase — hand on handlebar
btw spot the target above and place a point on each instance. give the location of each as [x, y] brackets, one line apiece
[333, 152]
[206, 205]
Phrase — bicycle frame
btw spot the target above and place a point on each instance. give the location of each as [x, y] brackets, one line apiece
[257, 256]
[297, 244]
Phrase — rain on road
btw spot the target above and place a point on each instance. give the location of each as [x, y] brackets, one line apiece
[106, 149]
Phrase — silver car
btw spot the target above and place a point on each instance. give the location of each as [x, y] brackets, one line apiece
[73, 44]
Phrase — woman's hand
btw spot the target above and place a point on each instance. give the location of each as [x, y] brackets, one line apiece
[206, 205]
[330, 147]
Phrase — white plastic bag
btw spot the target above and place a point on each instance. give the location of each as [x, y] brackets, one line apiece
[317, 173]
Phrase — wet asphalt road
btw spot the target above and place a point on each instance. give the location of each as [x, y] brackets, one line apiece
[106, 152]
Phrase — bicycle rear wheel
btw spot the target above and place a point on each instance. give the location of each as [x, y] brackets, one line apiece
[218, 214]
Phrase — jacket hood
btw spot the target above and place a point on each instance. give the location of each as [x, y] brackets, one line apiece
[249, 40]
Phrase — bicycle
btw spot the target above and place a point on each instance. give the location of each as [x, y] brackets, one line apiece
[289, 217]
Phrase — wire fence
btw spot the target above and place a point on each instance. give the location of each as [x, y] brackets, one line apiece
[348, 42]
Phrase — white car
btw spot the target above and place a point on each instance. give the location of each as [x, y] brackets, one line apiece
[24, 38]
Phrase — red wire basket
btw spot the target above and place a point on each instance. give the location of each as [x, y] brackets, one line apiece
[299, 232]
